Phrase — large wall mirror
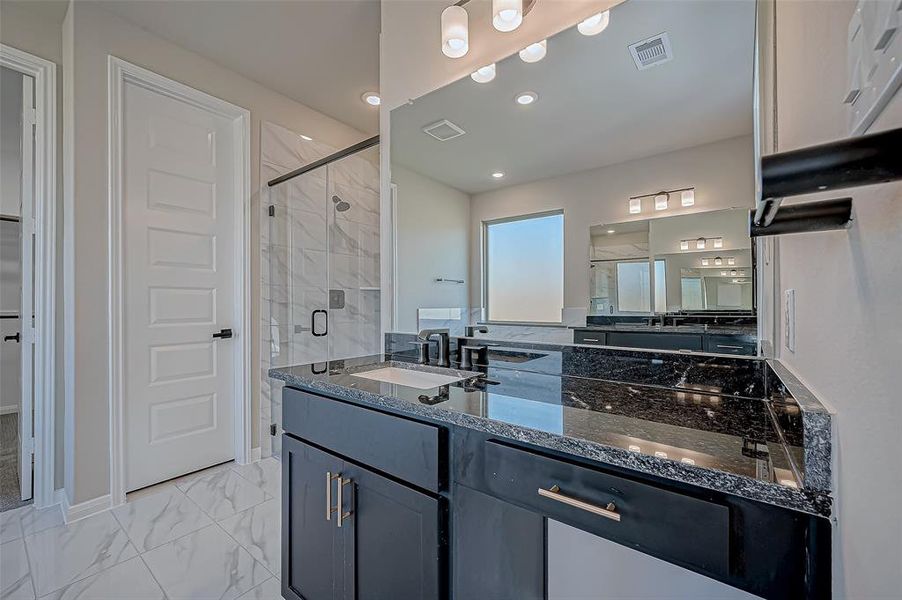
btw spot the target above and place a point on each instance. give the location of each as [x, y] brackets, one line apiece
[593, 189]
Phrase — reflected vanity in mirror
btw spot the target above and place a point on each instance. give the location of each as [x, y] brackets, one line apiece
[564, 200]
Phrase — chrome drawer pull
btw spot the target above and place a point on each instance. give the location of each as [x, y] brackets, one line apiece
[609, 512]
[340, 506]
[729, 347]
[329, 508]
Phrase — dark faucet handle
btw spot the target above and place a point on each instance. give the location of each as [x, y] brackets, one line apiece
[466, 355]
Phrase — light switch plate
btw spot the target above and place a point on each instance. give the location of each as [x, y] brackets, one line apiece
[789, 319]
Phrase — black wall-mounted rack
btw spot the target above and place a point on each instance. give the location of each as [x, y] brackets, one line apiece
[852, 162]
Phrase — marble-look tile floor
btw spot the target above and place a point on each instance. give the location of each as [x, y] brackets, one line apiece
[209, 535]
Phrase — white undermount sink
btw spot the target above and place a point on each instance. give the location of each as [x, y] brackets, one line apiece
[416, 379]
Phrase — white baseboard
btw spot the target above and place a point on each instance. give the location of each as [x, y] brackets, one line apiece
[8, 410]
[84, 509]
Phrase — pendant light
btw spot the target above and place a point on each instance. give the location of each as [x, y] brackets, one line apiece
[484, 74]
[534, 52]
[455, 32]
[594, 24]
[507, 14]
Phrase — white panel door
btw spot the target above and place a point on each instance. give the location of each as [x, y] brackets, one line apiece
[179, 286]
[26, 303]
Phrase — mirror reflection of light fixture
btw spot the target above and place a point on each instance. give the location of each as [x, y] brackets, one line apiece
[718, 242]
[731, 261]
[718, 261]
[733, 273]
[635, 206]
[661, 201]
[723, 273]
[455, 32]
[700, 243]
[595, 24]
[684, 244]
[534, 52]
[483, 74]
[507, 14]
[687, 197]
[705, 262]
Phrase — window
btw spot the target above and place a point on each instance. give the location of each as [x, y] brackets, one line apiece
[524, 269]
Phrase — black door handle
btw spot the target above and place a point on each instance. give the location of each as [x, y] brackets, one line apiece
[313, 323]
[11, 338]
[223, 334]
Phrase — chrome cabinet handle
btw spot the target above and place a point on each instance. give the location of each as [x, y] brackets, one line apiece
[729, 347]
[339, 505]
[590, 339]
[329, 508]
[608, 512]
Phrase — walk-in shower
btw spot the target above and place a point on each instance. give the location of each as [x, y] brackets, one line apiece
[320, 259]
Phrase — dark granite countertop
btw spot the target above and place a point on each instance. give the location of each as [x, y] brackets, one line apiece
[746, 330]
[730, 444]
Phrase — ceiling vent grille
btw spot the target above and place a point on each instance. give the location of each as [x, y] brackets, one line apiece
[443, 130]
[652, 52]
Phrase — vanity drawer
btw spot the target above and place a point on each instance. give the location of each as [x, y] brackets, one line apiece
[408, 450]
[729, 344]
[675, 527]
[588, 337]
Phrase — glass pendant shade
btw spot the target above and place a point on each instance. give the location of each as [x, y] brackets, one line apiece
[534, 52]
[594, 24]
[484, 74]
[507, 14]
[455, 32]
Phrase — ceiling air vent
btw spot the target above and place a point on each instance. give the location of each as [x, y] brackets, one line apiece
[652, 52]
[443, 130]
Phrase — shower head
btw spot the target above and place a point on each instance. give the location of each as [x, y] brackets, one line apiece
[340, 205]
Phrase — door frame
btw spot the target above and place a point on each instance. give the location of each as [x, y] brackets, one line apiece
[121, 72]
[44, 210]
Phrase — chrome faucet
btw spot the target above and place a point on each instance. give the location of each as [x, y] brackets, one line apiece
[444, 344]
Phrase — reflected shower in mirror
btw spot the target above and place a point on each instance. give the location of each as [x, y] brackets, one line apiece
[504, 188]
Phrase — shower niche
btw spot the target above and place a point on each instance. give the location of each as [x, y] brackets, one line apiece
[320, 261]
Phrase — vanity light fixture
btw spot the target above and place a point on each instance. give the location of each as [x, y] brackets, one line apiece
[700, 243]
[718, 242]
[718, 261]
[723, 273]
[534, 52]
[688, 461]
[687, 197]
[731, 260]
[484, 74]
[733, 273]
[371, 98]
[455, 32]
[684, 244]
[634, 448]
[661, 199]
[507, 14]
[705, 262]
[595, 24]
[497, 174]
[635, 206]
[660, 454]
[526, 98]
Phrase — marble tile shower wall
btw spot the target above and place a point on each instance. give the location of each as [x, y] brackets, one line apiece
[307, 249]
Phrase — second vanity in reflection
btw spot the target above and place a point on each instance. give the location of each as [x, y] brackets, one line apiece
[419, 490]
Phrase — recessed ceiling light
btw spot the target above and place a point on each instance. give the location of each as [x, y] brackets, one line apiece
[371, 98]
[306, 138]
[484, 74]
[527, 98]
[611, 231]
[534, 52]
[594, 24]
[497, 174]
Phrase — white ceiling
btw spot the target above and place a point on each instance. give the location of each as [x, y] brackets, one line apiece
[595, 108]
[321, 53]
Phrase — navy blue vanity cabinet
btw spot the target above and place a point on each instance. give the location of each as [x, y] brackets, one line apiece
[655, 341]
[731, 344]
[350, 531]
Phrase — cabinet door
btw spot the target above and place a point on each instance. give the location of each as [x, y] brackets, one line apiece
[311, 553]
[391, 540]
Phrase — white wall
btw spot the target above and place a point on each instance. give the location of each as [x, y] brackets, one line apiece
[848, 286]
[432, 241]
[10, 140]
[95, 35]
[721, 172]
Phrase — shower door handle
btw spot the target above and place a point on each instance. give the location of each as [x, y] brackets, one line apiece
[313, 323]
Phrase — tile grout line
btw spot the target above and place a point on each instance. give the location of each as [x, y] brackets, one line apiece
[152, 576]
[34, 588]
